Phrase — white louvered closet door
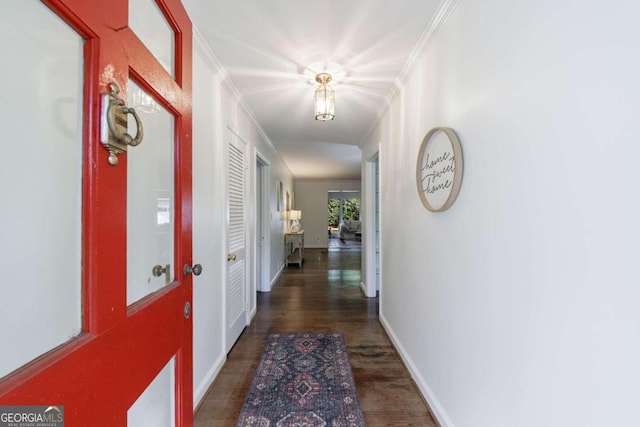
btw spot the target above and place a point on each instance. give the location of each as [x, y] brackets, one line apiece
[236, 289]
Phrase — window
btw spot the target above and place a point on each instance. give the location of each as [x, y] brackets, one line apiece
[351, 209]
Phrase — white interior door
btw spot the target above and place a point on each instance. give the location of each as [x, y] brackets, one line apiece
[236, 283]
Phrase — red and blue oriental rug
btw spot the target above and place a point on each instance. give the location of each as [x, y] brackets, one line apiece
[303, 380]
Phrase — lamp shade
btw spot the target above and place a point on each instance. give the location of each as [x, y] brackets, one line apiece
[295, 215]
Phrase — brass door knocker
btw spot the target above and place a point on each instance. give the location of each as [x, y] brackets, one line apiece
[115, 136]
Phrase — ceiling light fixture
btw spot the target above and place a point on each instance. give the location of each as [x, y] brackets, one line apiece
[325, 98]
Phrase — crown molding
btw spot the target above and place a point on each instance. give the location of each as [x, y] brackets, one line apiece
[425, 42]
[202, 48]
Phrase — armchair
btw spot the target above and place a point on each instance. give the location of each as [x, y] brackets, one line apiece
[348, 229]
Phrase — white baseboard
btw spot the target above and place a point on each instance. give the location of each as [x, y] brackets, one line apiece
[436, 408]
[275, 279]
[204, 385]
[363, 288]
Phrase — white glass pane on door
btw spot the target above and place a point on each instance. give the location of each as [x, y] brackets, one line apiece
[150, 199]
[156, 405]
[40, 182]
[152, 28]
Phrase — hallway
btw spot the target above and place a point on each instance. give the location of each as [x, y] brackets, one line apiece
[323, 295]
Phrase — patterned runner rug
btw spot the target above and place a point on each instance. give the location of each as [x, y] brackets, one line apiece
[303, 380]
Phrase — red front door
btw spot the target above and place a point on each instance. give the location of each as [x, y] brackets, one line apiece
[126, 341]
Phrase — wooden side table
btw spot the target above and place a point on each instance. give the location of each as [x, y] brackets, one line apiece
[293, 248]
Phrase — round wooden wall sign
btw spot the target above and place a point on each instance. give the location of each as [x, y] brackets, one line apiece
[439, 169]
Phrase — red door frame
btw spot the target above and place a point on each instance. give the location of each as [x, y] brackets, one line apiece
[98, 375]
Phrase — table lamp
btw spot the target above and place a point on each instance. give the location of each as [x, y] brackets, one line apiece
[295, 216]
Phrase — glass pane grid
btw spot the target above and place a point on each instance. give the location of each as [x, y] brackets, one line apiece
[41, 182]
[156, 405]
[150, 198]
[151, 26]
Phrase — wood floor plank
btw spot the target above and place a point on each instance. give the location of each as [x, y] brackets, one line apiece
[322, 295]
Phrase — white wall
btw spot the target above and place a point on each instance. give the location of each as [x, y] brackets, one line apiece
[520, 305]
[216, 106]
[311, 197]
[208, 222]
[278, 222]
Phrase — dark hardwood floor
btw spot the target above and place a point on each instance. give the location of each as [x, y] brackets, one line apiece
[322, 295]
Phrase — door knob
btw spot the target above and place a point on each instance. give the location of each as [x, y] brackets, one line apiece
[196, 269]
[231, 257]
[159, 270]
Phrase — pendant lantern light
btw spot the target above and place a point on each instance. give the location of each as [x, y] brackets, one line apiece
[325, 98]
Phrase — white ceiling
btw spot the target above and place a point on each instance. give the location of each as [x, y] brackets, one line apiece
[272, 49]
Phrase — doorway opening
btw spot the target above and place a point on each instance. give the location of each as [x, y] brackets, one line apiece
[262, 210]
